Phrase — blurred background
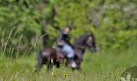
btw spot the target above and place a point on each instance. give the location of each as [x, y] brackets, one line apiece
[29, 25]
[26, 26]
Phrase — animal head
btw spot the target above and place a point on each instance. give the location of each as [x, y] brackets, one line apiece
[90, 42]
[86, 40]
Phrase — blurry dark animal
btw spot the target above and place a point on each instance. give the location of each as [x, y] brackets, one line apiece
[84, 41]
[49, 57]
[80, 44]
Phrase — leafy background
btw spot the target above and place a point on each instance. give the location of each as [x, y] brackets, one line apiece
[112, 22]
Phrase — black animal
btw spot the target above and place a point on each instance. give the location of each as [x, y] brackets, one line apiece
[47, 55]
[84, 41]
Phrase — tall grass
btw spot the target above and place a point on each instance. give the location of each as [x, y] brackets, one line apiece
[100, 66]
[15, 50]
[95, 67]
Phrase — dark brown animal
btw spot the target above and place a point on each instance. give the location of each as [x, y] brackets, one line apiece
[84, 41]
[49, 57]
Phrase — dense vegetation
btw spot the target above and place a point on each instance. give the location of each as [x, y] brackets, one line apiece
[26, 26]
[23, 23]
[101, 67]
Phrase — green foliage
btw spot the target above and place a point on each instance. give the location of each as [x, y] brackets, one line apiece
[112, 22]
[18, 26]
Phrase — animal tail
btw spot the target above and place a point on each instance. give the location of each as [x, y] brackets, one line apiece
[39, 55]
[39, 61]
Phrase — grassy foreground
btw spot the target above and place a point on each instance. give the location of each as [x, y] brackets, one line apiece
[95, 67]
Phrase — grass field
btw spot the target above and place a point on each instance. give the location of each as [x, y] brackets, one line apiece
[95, 67]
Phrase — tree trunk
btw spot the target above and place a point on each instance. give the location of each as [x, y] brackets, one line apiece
[44, 28]
[53, 22]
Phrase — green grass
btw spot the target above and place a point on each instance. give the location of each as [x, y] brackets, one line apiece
[95, 67]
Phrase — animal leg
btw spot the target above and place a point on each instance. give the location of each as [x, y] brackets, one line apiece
[56, 63]
[49, 65]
